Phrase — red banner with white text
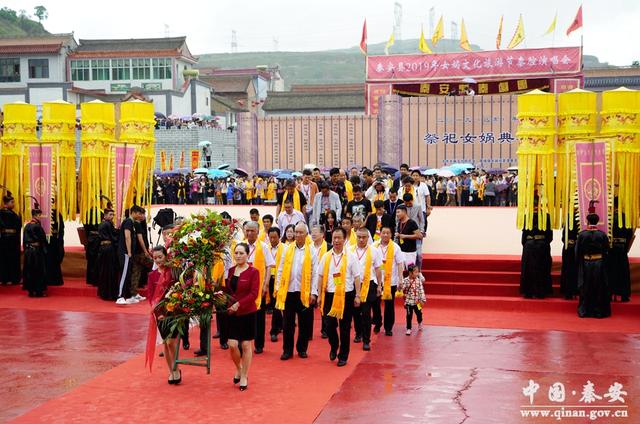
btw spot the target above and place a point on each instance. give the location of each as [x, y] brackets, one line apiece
[481, 66]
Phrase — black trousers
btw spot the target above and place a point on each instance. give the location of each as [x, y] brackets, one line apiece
[126, 265]
[223, 327]
[366, 308]
[293, 308]
[276, 314]
[357, 320]
[203, 334]
[341, 342]
[410, 310]
[310, 317]
[390, 311]
[261, 320]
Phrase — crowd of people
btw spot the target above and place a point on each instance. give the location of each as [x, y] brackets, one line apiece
[345, 246]
[474, 188]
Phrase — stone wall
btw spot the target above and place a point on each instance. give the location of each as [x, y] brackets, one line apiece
[223, 145]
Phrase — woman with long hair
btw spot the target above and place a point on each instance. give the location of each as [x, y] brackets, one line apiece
[242, 283]
[289, 235]
[330, 222]
[158, 282]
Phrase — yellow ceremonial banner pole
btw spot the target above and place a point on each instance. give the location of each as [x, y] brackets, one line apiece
[620, 120]
[536, 132]
[137, 128]
[577, 114]
[98, 125]
[19, 127]
[59, 127]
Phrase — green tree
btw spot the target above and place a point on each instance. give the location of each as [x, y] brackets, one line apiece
[41, 13]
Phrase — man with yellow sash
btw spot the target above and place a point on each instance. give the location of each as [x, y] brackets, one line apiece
[319, 247]
[267, 223]
[277, 251]
[296, 292]
[392, 269]
[370, 261]
[295, 196]
[339, 278]
[261, 259]
[347, 226]
[289, 215]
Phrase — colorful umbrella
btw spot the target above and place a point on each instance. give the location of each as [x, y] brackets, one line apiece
[241, 172]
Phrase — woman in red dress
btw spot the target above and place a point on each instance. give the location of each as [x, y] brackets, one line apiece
[242, 283]
[159, 280]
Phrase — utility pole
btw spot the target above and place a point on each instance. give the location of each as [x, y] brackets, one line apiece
[397, 21]
[234, 41]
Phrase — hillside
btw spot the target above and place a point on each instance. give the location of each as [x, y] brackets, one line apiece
[320, 67]
[13, 25]
[332, 66]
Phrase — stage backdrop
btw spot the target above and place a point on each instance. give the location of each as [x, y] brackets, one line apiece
[428, 131]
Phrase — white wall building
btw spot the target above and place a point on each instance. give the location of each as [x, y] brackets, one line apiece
[33, 69]
[41, 69]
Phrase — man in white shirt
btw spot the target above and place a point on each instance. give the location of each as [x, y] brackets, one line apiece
[289, 216]
[335, 285]
[277, 249]
[390, 250]
[294, 303]
[309, 190]
[251, 229]
[377, 191]
[362, 315]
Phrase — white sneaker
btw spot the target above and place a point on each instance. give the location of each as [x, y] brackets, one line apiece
[420, 327]
[121, 301]
[131, 301]
[408, 332]
[139, 298]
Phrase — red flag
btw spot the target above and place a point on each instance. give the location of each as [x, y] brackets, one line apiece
[577, 21]
[363, 41]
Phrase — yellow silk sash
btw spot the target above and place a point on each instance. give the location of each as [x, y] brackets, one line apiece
[337, 306]
[305, 286]
[366, 278]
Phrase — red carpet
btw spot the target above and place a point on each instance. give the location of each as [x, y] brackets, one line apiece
[278, 391]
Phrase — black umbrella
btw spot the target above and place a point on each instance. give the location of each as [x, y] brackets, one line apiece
[159, 115]
[265, 174]
[241, 172]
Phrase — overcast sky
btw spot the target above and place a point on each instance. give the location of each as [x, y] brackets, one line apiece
[610, 26]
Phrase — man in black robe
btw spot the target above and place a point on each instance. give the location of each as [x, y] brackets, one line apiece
[91, 253]
[107, 261]
[10, 227]
[569, 273]
[535, 274]
[618, 260]
[592, 248]
[34, 241]
[55, 250]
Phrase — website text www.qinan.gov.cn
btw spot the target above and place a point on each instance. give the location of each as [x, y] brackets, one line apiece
[558, 414]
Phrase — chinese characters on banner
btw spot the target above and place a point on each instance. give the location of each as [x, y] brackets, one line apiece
[562, 85]
[548, 62]
[457, 88]
[195, 159]
[373, 93]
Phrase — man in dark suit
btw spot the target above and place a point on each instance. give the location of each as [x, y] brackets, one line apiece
[375, 222]
[391, 204]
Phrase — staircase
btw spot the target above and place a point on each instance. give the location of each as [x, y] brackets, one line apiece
[493, 282]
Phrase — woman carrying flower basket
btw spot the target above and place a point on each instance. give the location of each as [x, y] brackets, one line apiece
[159, 281]
[243, 284]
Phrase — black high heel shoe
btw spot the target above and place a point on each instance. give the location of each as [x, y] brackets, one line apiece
[179, 380]
[245, 387]
[236, 380]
